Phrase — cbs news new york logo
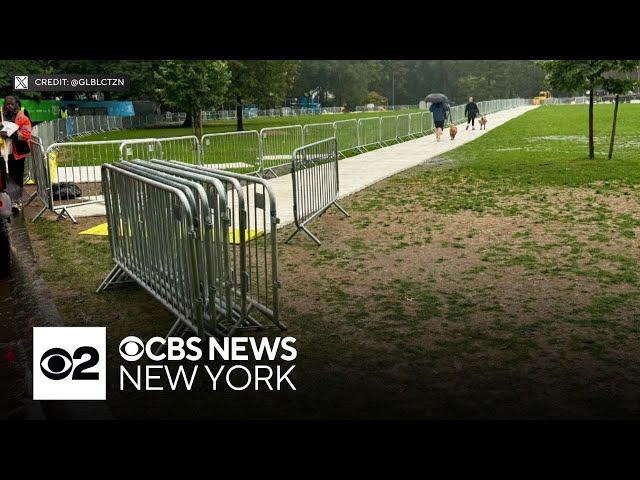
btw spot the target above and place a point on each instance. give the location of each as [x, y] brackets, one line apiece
[69, 363]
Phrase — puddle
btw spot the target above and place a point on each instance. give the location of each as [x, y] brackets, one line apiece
[563, 138]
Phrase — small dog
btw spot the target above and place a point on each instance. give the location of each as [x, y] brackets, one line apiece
[453, 130]
[483, 122]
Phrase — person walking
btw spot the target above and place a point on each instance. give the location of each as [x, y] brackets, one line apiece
[471, 110]
[439, 111]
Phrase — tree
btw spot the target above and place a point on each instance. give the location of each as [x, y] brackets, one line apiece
[193, 85]
[580, 75]
[478, 86]
[618, 86]
[267, 82]
[349, 81]
[395, 72]
[377, 99]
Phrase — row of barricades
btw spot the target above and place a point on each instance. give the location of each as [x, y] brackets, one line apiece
[201, 241]
[263, 153]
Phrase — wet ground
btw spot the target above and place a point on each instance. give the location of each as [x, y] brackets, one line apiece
[13, 384]
[25, 302]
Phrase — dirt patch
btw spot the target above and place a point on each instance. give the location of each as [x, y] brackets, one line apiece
[477, 292]
[527, 309]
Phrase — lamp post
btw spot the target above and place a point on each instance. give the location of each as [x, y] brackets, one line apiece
[393, 90]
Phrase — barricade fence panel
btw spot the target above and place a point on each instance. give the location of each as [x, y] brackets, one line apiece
[315, 132]
[346, 133]
[40, 174]
[79, 163]
[211, 218]
[153, 241]
[145, 148]
[234, 151]
[427, 122]
[315, 179]
[252, 241]
[415, 124]
[368, 132]
[402, 126]
[214, 253]
[387, 130]
[184, 149]
[277, 145]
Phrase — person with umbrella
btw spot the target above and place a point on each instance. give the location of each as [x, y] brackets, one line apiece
[439, 108]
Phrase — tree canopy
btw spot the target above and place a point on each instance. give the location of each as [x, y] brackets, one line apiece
[193, 85]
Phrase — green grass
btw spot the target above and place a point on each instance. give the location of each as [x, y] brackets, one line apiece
[548, 147]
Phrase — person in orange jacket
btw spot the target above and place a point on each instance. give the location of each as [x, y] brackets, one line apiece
[21, 145]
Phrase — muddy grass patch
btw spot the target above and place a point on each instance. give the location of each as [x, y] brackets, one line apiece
[416, 307]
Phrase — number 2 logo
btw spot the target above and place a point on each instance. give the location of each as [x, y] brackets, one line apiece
[57, 363]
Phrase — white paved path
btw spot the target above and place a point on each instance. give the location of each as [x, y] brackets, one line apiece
[361, 171]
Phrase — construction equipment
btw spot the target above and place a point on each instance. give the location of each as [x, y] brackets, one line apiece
[539, 100]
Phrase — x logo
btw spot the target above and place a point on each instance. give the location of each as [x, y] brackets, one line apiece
[21, 82]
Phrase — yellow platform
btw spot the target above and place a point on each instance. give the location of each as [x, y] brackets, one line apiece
[234, 233]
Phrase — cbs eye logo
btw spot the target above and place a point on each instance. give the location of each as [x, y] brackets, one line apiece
[57, 364]
[69, 363]
[131, 348]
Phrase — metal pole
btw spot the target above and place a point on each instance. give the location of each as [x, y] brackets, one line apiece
[393, 90]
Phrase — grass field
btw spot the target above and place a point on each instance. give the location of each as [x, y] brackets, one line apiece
[501, 284]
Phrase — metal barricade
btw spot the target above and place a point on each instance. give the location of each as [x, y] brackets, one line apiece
[40, 174]
[78, 163]
[144, 148]
[184, 149]
[315, 183]
[277, 145]
[402, 126]
[388, 126]
[234, 151]
[346, 133]
[253, 241]
[231, 285]
[153, 236]
[368, 133]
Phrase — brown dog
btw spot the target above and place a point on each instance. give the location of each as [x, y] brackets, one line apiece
[483, 122]
[453, 130]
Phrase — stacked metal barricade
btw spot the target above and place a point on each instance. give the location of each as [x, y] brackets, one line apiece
[202, 241]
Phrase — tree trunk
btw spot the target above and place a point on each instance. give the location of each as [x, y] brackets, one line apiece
[188, 121]
[591, 151]
[613, 129]
[240, 126]
[197, 123]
